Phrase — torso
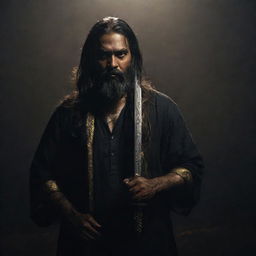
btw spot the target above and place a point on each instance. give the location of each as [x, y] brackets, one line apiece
[112, 117]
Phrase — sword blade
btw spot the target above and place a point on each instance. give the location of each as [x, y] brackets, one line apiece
[137, 128]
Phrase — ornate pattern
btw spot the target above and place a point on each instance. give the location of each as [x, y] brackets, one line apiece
[90, 121]
[137, 129]
[138, 153]
[138, 219]
[51, 186]
[185, 174]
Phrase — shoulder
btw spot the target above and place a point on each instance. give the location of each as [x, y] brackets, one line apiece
[61, 111]
[69, 106]
[65, 115]
[164, 103]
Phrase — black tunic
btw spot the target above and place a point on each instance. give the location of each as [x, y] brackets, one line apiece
[62, 156]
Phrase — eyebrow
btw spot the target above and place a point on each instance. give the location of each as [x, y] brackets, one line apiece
[121, 51]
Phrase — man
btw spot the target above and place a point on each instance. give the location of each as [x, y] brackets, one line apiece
[83, 170]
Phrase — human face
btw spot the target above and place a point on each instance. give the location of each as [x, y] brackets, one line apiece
[114, 52]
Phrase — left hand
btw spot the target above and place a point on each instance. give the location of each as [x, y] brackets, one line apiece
[141, 188]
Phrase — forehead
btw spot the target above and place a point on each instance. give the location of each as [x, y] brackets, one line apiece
[113, 41]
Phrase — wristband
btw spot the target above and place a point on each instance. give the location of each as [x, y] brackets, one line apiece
[185, 174]
[51, 186]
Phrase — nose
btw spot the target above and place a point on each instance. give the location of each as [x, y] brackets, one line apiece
[112, 61]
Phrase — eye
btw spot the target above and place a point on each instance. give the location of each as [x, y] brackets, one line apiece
[121, 55]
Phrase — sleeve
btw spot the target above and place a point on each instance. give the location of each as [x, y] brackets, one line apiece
[41, 210]
[181, 152]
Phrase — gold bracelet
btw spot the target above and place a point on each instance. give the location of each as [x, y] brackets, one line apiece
[51, 186]
[185, 174]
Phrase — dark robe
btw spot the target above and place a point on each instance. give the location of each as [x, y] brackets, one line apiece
[62, 156]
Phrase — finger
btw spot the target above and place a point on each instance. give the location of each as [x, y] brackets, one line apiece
[94, 222]
[90, 229]
[135, 189]
[140, 195]
[132, 182]
[83, 233]
[128, 180]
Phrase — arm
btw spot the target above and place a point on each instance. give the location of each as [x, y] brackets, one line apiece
[181, 164]
[181, 153]
[83, 224]
[143, 188]
[42, 212]
[48, 202]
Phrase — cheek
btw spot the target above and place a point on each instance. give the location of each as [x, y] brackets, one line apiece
[127, 63]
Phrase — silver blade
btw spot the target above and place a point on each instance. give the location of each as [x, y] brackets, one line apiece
[137, 127]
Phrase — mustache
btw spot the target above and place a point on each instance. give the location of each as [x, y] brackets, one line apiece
[112, 73]
[109, 87]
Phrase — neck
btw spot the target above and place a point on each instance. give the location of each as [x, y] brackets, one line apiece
[119, 106]
[113, 116]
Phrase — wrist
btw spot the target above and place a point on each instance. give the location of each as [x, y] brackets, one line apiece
[161, 183]
[183, 173]
[70, 213]
[168, 181]
[59, 200]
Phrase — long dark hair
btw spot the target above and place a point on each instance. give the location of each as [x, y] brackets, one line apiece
[88, 66]
[87, 71]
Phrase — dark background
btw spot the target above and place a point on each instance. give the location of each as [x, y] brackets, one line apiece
[200, 52]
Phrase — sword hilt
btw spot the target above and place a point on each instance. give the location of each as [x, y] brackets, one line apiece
[138, 216]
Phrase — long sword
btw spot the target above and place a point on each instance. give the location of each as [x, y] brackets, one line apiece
[138, 212]
[137, 128]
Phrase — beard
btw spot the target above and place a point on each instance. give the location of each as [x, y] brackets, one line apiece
[108, 88]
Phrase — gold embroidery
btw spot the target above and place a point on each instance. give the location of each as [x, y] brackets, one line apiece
[90, 126]
[90, 134]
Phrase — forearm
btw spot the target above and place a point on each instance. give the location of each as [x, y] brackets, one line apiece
[58, 199]
[83, 225]
[175, 178]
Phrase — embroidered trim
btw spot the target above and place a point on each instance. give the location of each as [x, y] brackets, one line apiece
[90, 122]
[90, 127]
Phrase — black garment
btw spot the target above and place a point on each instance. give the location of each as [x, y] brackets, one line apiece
[62, 156]
[110, 155]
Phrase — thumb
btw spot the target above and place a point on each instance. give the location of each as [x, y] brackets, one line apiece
[126, 181]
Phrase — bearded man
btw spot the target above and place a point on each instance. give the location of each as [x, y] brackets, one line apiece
[83, 170]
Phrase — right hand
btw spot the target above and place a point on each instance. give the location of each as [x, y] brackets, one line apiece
[85, 225]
